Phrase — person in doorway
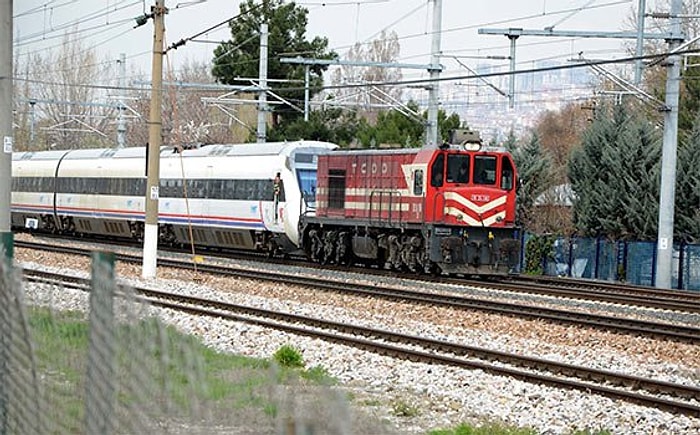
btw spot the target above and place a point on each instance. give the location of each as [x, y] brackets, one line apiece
[276, 188]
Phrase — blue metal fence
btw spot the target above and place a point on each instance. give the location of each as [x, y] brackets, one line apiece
[633, 262]
[690, 267]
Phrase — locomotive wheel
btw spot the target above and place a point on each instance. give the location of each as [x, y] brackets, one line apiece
[433, 269]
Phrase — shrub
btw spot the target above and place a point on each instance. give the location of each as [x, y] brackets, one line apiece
[289, 357]
[537, 250]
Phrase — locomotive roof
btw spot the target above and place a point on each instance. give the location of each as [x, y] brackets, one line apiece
[246, 149]
[375, 151]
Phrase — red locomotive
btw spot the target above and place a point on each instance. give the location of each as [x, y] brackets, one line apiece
[448, 210]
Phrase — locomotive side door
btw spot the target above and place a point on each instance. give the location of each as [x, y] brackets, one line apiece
[435, 206]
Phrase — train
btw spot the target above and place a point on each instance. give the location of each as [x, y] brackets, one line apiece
[448, 210]
[219, 195]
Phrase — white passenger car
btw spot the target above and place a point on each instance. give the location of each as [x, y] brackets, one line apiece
[246, 196]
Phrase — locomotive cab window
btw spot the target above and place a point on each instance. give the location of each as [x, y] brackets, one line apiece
[485, 169]
[506, 173]
[458, 168]
[418, 182]
[437, 171]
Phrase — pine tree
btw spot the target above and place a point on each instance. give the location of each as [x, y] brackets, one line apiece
[687, 209]
[534, 169]
[615, 175]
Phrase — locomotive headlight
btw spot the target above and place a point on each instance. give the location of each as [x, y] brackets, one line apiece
[491, 237]
[499, 219]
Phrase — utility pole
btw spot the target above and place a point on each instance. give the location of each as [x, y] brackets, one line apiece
[121, 123]
[664, 245]
[638, 65]
[431, 134]
[307, 79]
[6, 250]
[150, 240]
[262, 97]
[6, 125]
[511, 87]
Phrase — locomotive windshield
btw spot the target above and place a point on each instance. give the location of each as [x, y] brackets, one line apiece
[485, 169]
[458, 168]
[307, 182]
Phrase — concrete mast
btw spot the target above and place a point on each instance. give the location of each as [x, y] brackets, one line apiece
[667, 198]
[431, 136]
[150, 240]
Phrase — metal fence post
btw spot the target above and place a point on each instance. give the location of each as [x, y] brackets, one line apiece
[681, 258]
[571, 256]
[597, 258]
[621, 264]
[653, 263]
[6, 255]
[101, 367]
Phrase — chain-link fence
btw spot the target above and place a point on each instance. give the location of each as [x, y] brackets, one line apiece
[100, 362]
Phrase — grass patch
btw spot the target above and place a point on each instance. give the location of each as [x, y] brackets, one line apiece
[372, 402]
[319, 375]
[487, 429]
[402, 409]
[158, 372]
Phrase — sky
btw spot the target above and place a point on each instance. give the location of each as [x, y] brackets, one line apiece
[108, 27]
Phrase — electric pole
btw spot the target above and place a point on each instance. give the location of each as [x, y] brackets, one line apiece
[150, 240]
[431, 136]
[6, 127]
[5, 204]
[667, 198]
[121, 123]
[262, 97]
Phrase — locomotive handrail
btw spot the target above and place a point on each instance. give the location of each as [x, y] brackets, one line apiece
[391, 194]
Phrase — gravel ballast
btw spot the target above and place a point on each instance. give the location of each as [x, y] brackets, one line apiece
[443, 396]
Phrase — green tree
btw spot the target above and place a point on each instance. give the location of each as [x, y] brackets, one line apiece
[615, 176]
[510, 143]
[638, 154]
[689, 104]
[239, 57]
[687, 209]
[330, 125]
[393, 127]
[446, 123]
[533, 165]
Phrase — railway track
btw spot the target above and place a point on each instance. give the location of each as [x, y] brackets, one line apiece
[655, 329]
[584, 290]
[672, 397]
